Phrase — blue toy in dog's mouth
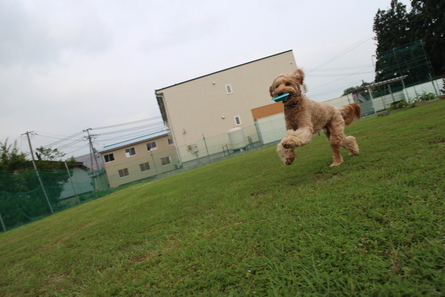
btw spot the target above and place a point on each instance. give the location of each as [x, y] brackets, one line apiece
[280, 98]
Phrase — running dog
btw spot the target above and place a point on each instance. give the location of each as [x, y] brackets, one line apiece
[304, 117]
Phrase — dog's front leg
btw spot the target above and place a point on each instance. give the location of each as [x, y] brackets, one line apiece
[287, 156]
[296, 138]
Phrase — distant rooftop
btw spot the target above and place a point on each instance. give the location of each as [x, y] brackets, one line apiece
[139, 139]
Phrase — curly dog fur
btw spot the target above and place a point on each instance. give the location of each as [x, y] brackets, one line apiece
[304, 117]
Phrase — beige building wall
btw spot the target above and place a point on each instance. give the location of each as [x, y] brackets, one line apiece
[205, 107]
[126, 168]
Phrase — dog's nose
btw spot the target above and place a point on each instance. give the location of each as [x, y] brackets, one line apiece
[280, 93]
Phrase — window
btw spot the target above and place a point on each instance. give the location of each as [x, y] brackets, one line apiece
[130, 152]
[165, 161]
[237, 120]
[124, 172]
[151, 146]
[109, 158]
[170, 140]
[229, 89]
[144, 167]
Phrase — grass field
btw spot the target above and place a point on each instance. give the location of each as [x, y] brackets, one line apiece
[251, 226]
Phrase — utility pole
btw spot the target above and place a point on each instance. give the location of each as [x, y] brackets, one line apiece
[91, 159]
[154, 163]
[37, 172]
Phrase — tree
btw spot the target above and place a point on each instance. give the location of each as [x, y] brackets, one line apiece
[362, 93]
[391, 27]
[11, 160]
[396, 28]
[392, 30]
[10, 157]
[427, 22]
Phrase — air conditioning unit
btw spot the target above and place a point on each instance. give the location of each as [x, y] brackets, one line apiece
[192, 148]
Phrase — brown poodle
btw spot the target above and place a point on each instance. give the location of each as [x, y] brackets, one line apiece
[304, 117]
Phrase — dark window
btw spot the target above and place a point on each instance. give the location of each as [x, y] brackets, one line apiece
[130, 152]
[151, 146]
[144, 166]
[109, 158]
[124, 172]
[165, 161]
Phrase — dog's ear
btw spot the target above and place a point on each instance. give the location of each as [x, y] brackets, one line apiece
[271, 90]
[299, 74]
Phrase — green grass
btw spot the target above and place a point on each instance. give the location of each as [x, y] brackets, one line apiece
[250, 225]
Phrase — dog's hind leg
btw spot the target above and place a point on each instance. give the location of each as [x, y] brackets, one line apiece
[335, 134]
[350, 145]
[335, 141]
[327, 132]
[336, 155]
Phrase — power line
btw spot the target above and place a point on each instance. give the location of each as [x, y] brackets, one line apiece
[337, 68]
[128, 123]
[317, 87]
[344, 74]
[77, 141]
[332, 90]
[367, 38]
[134, 128]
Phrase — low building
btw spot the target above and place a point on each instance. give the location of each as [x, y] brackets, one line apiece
[139, 158]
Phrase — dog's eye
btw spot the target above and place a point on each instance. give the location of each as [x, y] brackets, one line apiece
[287, 84]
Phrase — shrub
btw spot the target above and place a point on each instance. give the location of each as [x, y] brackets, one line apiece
[424, 97]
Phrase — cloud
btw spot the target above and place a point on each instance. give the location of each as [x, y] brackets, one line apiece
[38, 34]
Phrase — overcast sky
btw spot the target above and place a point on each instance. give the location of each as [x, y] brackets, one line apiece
[69, 65]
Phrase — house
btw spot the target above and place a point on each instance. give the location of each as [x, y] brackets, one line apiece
[139, 158]
[216, 112]
[78, 182]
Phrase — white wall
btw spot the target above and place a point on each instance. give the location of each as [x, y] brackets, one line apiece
[271, 128]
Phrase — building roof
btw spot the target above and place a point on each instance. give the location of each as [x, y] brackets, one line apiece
[136, 140]
[223, 70]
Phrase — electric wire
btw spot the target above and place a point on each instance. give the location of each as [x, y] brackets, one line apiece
[128, 123]
[132, 129]
[367, 38]
[338, 68]
[317, 87]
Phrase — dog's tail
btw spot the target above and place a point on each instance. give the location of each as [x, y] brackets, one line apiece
[350, 112]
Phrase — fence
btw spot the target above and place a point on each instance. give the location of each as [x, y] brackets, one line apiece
[23, 200]
[394, 92]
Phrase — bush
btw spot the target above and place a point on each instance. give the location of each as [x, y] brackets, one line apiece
[424, 97]
[411, 101]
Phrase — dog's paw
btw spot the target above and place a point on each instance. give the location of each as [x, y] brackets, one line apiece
[336, 164]
[287, 156]
[287, 146]
[288, 161]
[288, 143]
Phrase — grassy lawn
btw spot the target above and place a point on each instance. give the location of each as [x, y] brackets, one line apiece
[250, 225]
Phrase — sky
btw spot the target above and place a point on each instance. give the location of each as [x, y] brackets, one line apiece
[66, 66]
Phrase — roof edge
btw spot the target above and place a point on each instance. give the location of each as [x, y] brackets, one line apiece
[136, 140]
[186, 81]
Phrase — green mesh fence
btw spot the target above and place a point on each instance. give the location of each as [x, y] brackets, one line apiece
[23, 199]
[410, 60]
